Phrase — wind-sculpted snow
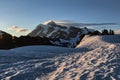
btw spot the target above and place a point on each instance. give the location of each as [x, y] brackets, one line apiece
[95, 58]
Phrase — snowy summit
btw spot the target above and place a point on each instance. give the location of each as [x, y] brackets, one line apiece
[66, 36]
[49, 22]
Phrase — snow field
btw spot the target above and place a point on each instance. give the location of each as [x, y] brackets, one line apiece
[95, 58]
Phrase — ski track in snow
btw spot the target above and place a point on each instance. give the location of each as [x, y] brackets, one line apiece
[95, 58]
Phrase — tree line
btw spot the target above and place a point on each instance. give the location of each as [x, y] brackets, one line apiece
[107, 32]
[103, 32]
[9, 42]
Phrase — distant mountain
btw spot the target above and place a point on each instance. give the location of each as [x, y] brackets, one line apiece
[64, 34]
[52, 30]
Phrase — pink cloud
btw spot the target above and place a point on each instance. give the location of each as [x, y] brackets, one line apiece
[18, 29]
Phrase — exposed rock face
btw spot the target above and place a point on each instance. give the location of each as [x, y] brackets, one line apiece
[52, 30]
[65, 35]
[74, 31]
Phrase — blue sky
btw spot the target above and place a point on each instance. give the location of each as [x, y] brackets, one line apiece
[27, 14]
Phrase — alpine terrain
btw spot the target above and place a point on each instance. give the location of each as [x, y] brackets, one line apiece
[95, 58]
[67, 36]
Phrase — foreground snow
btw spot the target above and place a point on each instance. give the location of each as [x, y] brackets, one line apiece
[95, 58]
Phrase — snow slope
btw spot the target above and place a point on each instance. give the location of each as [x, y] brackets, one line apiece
[95, 58]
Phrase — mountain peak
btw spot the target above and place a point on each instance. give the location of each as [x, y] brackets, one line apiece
[49, 22]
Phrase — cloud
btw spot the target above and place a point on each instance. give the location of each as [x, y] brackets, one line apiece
[63, 21]
[18, 29]
[71, 23]
[98, 24]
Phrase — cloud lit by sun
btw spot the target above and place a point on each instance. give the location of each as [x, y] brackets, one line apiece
[18, 29]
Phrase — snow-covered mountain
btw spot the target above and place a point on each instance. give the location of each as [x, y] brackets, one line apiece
[52, 30]
[95, 58]
[65, 34]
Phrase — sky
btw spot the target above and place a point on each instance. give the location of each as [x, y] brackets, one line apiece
[19, 17]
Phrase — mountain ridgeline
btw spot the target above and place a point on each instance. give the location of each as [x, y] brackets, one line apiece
[7, 41]
[52, 30]
[48, 33]
[67, 36]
